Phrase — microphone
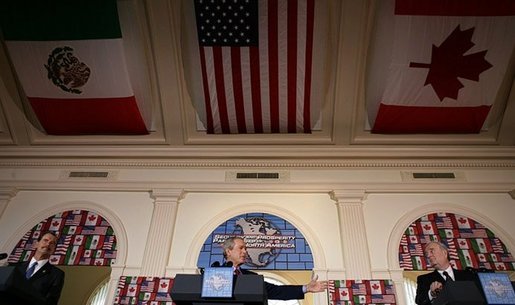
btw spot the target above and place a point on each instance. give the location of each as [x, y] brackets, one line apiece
[228, 264]
[215, 264]
[3, 256]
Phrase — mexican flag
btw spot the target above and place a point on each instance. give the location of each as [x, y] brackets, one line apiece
[436, 66]
[69, 59]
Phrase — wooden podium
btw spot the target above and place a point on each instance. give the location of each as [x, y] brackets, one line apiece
[248, 289]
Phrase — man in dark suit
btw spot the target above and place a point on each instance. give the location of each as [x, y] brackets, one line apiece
[430, 284]
[235, 251]
[43, 280]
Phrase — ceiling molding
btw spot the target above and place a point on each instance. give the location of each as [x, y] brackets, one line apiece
[255, 163]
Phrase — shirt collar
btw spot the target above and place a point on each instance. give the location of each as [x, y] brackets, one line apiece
[40, 262]
[449, 271]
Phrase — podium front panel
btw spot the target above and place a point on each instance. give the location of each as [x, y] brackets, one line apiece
[460, 293]
[248, 289]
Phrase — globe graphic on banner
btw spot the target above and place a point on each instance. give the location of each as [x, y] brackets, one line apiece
[257, 231]
[272, 242]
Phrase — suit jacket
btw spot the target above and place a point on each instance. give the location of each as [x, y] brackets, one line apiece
[280, 292]
[44, 286]
[424, 283]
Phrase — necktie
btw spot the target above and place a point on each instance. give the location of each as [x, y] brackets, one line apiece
[447, 276]
[31, 269]
[237, 271]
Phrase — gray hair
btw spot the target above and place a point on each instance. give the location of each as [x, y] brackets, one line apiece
[439, 244]
[229, 244]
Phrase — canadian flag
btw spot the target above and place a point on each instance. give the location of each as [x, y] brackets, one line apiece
[437, 65]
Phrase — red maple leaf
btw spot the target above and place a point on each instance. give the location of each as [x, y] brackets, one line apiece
[344, 293]
[448, 63]
[92, 217]
[163, 285]
[462, 220]
[375, 286]
[427, 227]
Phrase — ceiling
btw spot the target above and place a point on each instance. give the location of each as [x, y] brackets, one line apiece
[341, 135]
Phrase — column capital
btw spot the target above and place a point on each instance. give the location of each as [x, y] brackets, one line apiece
[6, 193]
[348, 196]
[168, 195]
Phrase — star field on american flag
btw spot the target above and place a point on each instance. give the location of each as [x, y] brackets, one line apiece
[227, 22]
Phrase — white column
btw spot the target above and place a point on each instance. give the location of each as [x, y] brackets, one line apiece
[159, 240]
[398, 280]
[352, 231]
[6, 194]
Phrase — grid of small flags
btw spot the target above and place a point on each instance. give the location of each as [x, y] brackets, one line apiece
[470, 243]
[143, 291]
[350, 292]
[84, 238]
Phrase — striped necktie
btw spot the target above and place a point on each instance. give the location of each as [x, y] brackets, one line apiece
[31, 269]
[237, 271]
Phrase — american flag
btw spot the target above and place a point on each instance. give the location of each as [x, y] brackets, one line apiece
[416, 249]
[73, 221]
[453, 253]
[405, 262]
[382, 299]
[63, 245]
[444, 223]
[109, 242]
[359, 288]
[256, 65]
[148, 286]
[497, 245]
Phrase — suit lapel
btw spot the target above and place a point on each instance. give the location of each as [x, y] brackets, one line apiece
[41, 272]
[438, 277]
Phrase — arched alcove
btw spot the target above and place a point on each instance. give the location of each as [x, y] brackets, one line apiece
[86, 275]
[199, 239]
[404, 223]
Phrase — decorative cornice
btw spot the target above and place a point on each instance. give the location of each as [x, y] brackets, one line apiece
[264, 164]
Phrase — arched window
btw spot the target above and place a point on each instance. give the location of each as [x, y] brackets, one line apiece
[99, 295]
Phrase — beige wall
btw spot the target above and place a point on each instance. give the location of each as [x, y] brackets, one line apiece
[161, 216]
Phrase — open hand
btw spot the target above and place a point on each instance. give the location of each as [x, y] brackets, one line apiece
[315, 285]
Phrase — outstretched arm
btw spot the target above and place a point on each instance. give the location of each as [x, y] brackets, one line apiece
[315, 285]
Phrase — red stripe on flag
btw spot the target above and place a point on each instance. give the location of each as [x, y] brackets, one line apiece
[220, 88]
[238, 89]
[292, 65]
[273, 65]
[310, 20]
[89, 116]
[455, 7]
[405, 119]
[255, 87]
[205, 85]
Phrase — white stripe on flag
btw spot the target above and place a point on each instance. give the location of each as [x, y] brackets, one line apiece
[263, 67]
[289, 78]
[108, 78]
[282, 35]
